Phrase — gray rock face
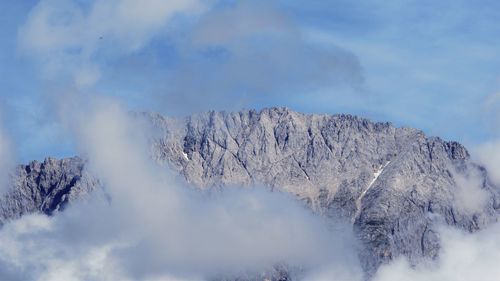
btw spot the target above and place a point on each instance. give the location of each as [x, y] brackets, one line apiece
[45, 187]
[391, 183]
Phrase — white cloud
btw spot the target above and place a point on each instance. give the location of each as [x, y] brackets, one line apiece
[463, 257]
[489, 155]
[469, 195]
[70, 36]
[6, 160]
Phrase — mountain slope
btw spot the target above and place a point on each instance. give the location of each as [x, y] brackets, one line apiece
[386, 180]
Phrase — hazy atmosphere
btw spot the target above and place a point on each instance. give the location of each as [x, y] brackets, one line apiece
[210, 197]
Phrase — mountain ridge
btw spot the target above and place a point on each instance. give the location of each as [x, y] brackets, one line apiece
[387, 181]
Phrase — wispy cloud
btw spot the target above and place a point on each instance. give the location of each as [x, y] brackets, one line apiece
[6, 159]
[469, 193]
[489, 155]
[73, 37]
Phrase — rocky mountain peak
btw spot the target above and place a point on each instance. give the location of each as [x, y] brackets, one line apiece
[388, 182]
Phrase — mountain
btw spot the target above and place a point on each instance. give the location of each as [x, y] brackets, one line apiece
[390, 183]
[46, 187]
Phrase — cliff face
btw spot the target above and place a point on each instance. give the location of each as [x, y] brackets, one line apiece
[390, 183]
[46, 187]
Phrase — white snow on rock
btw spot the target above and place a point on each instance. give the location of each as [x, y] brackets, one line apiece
[363, 193]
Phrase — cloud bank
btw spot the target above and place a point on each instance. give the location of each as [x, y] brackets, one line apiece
[234, 53]
[469, 194]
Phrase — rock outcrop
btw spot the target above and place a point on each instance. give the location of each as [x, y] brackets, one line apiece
[46, 187]
[391, 183]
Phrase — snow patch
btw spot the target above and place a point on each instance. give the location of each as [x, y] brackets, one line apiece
[375, 177]
[363, 193]
[185, 155]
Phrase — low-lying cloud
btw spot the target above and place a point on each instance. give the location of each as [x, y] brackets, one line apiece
[470, 196]
[463, 257]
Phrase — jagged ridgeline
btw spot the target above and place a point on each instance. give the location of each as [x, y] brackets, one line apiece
[388, 182]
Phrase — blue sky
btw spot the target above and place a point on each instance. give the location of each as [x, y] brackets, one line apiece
[433, 65]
